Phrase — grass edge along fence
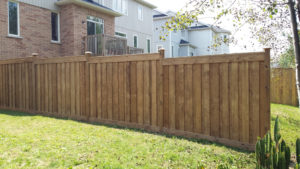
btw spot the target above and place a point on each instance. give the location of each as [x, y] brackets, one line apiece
[220, 98]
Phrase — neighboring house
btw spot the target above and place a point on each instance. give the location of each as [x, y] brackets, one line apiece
[194, 41]
[54, 28]
[136, 24]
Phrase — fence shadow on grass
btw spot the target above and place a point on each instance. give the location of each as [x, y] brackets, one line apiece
[199, 141]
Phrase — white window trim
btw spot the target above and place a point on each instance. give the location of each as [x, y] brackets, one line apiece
[137, 41]
[147, 44]
[121, 33]
[58, 29]
[142, 14]
[19, 32]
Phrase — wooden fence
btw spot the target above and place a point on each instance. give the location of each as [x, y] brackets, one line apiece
[222, 98]
[283, 86]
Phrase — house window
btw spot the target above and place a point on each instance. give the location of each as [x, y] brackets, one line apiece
[135, 41]
[148, 45]
[121, 6]
[140, 13]
[55, 27]
[119, 34]
[13, 19]
[95, 26]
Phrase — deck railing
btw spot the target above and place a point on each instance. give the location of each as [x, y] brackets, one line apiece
[105, 45]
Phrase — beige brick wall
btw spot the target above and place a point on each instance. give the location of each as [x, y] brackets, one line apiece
[35, 31]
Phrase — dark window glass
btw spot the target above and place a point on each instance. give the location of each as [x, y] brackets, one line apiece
[13, 18]
[91, 28]
[135, 41]
[54, 25]
[148, 45]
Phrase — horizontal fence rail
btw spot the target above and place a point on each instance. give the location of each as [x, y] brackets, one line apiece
[223, 98]
[283, 86]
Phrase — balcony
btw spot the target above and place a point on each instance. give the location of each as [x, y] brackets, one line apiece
[105, 45]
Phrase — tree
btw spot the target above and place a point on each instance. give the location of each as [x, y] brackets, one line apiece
[287, 58]
[267, 20]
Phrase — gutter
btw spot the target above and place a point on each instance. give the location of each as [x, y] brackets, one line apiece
[146, 4]
[90, 6]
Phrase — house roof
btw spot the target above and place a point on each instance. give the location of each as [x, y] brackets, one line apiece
[91, 5]
[160, 15]
[148, 4]
[183, 41]
[198, 27]
[186, 43]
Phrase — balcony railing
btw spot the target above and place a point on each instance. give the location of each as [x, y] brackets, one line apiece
[105, 45]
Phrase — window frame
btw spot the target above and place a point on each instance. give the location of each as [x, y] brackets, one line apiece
[58, 28]
[140, 18]
[137, 41]
[96, 22]
[18, 23]
[120, 33]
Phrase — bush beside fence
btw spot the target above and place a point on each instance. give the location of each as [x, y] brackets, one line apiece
[222, 98]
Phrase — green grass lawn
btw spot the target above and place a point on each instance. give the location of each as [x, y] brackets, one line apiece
[41, 142]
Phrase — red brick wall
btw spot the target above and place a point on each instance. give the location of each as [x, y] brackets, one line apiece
[76, 16]
[35, 31]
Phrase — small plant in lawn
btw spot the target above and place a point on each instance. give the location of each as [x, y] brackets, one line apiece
[270, 154]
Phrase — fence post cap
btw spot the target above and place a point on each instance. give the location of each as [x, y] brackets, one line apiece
[162, 52]
[34, 55]
[88, 54]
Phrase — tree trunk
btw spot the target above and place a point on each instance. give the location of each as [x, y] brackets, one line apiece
[296, 45]
[298, 9]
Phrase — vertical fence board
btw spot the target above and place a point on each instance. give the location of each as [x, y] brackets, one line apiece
[254, 101]
[99, 90]
[188, 97]
[234, 101]
[115, 83]
[197, 98]
[166, 96]
[244, 100]
[205, 99]
[147, 93]
[93, 96]
[160, 96]
[153, 94]
[214, 100]
[140, 92]
[224, 101]
[73, 90]
[133, 98]
[179, 97]
[127, 91]
[110, 90]
[122, 88]
[104, 91]
[172, 97]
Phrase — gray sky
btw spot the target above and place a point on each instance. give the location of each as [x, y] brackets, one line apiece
[176, 5]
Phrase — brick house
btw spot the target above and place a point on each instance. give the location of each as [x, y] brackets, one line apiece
[51, 28]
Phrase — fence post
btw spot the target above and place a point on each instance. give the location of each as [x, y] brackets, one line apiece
[268, 88]
[162, 53]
